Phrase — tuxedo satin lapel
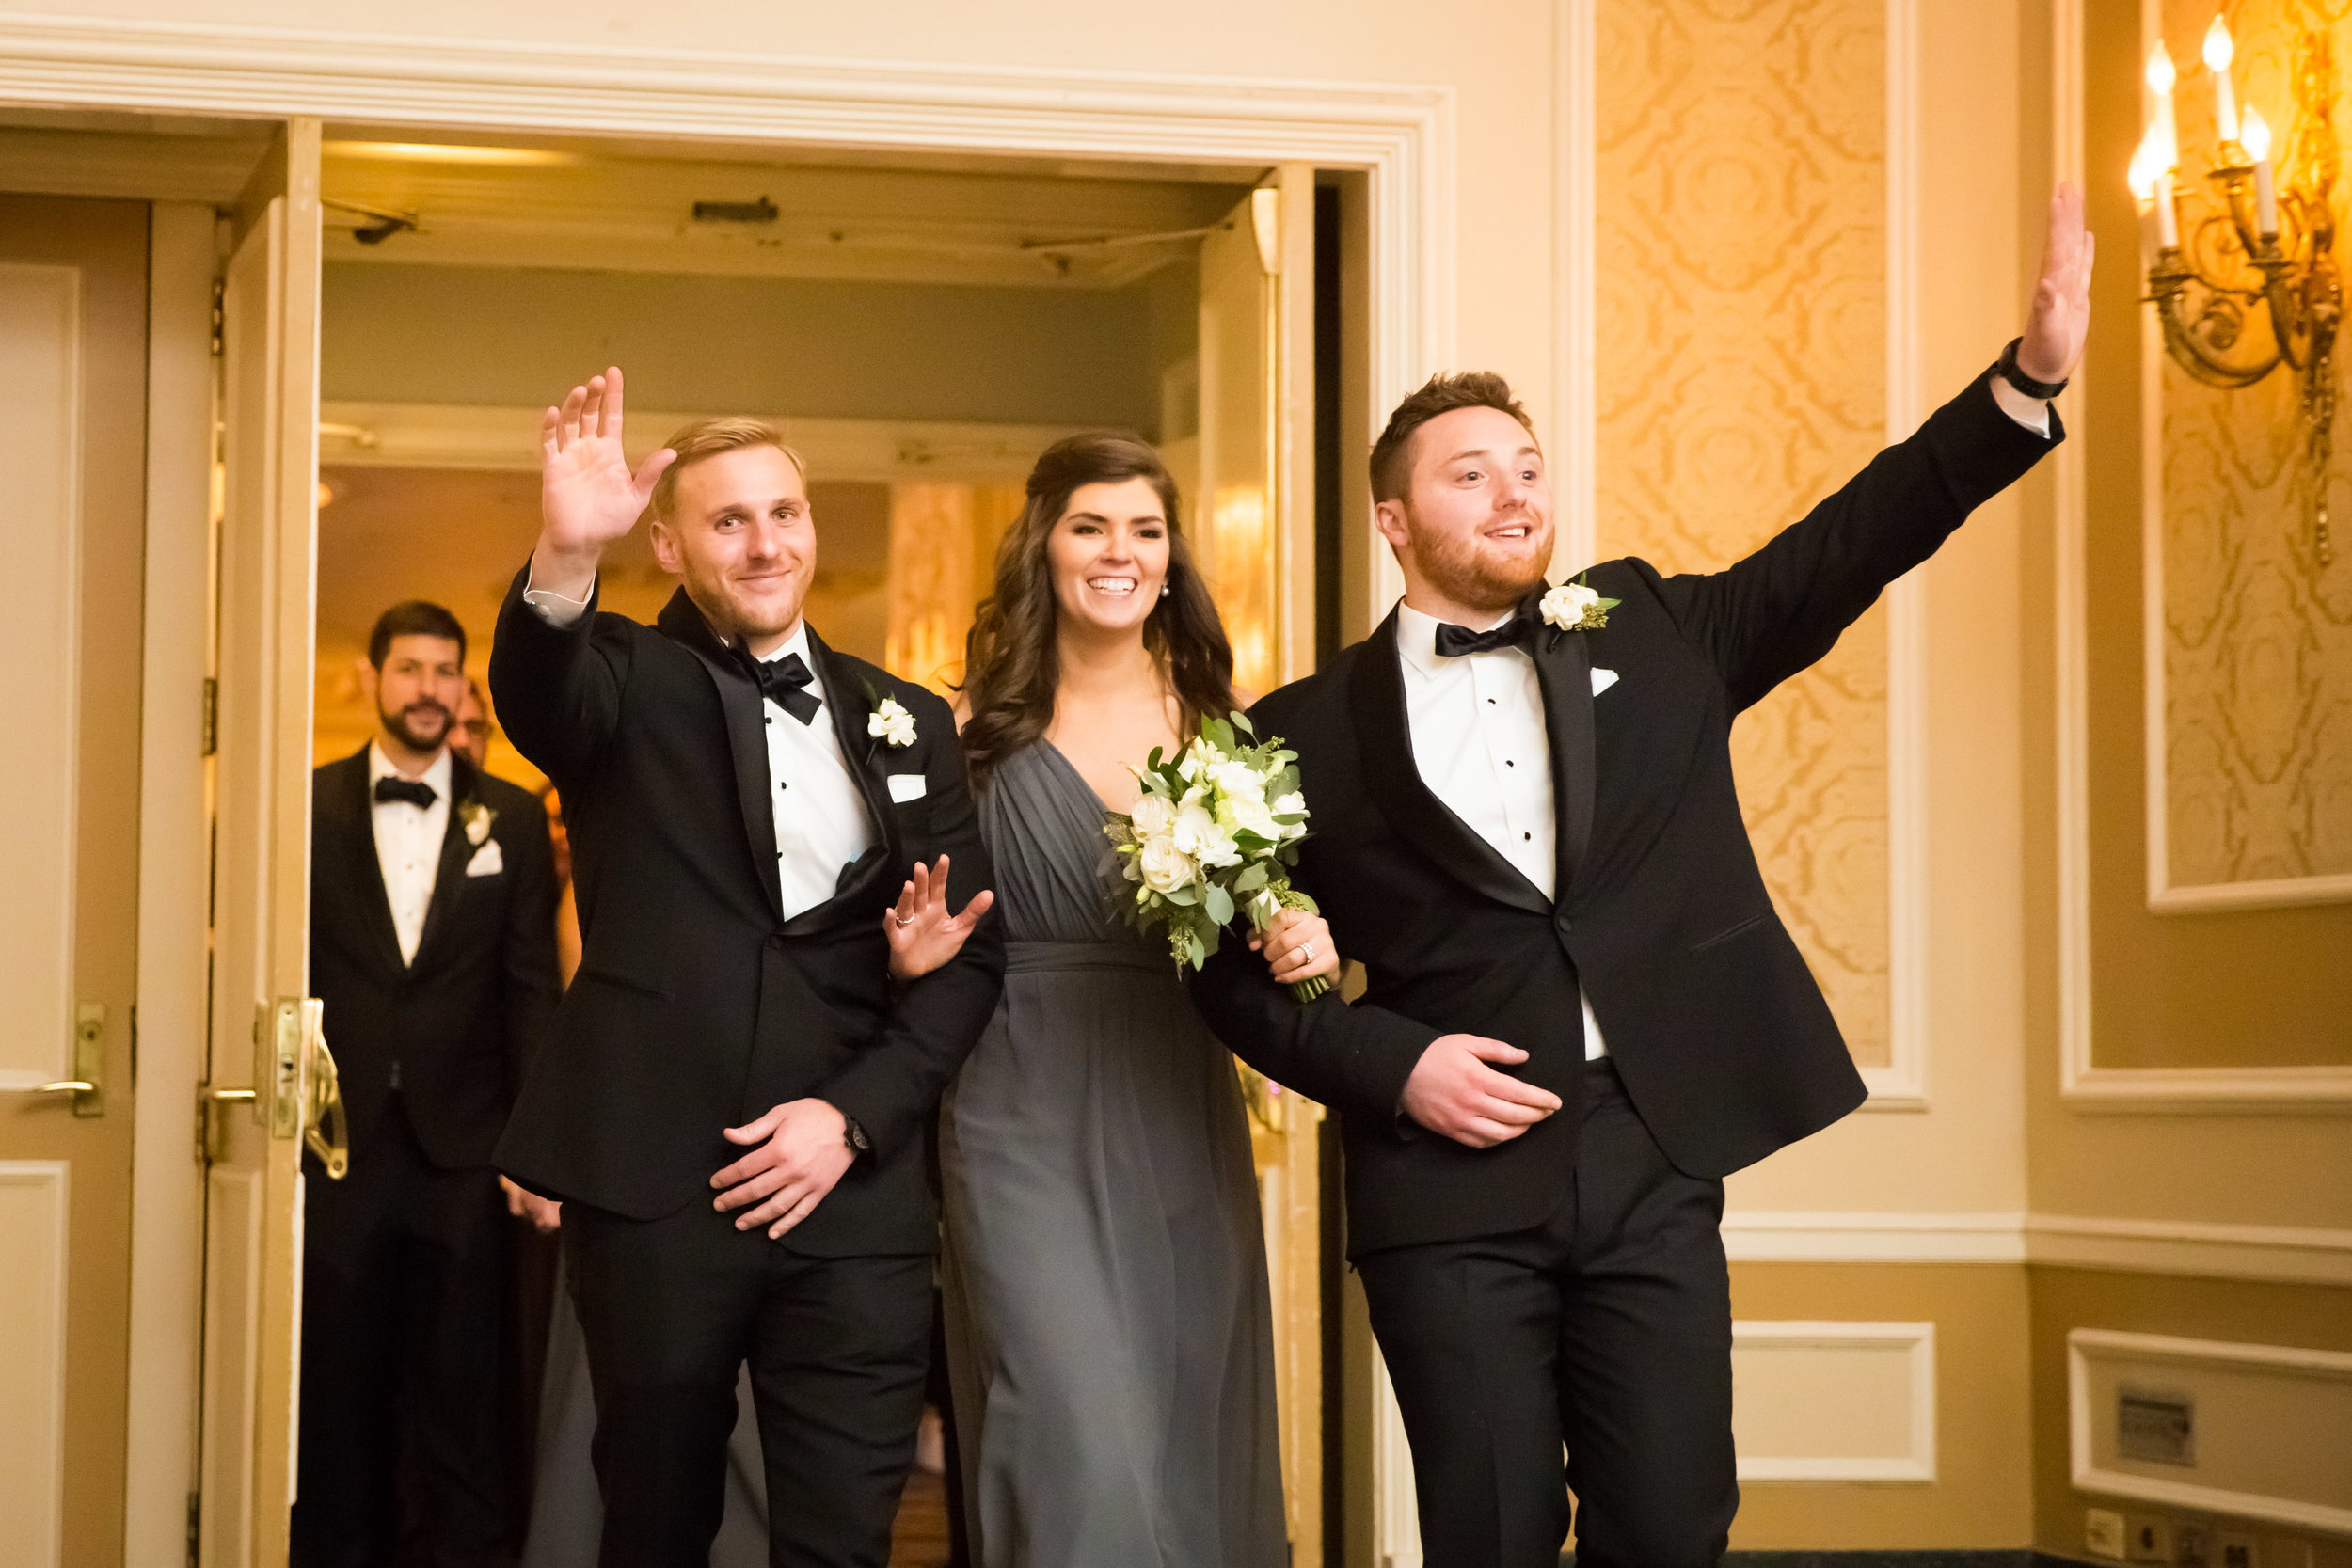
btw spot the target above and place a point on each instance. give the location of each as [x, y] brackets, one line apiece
[1385, 744]
[450, 876]
[849, 705]
[747, 739]
[364, 867]
[1564, 669]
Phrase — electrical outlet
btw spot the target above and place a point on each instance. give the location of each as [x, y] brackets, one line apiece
[2102, 1533]
[2148, 1538]
[2239, 1550]
[2192, 1545]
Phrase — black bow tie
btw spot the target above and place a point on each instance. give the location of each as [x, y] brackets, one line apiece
[1453, 641]
[415, 791]
[784, 682]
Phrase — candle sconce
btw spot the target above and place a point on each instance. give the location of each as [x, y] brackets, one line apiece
[2269, 250]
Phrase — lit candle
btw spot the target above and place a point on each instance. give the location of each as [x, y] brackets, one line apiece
[2168, 221]
[2143, 179]
[2161, 78]
[2219, 51]
[2255, 136]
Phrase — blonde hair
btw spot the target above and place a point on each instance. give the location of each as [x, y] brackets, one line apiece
[708, 438]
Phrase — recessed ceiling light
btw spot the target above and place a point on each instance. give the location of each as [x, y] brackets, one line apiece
[444, 152]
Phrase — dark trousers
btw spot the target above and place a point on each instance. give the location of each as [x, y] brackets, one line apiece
[1608, 1328]
[671, 1309]
[402, 1294]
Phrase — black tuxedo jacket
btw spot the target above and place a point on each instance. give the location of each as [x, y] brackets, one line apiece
[697, 1005]
[464, 1021]
[1724, 1040]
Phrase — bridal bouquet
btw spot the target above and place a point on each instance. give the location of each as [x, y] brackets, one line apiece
[1215, 832]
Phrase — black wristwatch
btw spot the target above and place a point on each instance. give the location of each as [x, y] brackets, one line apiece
[854, 1135]
[2009, 371]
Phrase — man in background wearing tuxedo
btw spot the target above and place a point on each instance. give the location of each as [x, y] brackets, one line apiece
[1581, 1010]
[432, 946]
[732, 1102]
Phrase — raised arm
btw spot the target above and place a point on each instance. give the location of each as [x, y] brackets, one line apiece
[558, 694]
[1783, 607]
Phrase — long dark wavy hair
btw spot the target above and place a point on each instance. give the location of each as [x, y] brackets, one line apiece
[1011, 661]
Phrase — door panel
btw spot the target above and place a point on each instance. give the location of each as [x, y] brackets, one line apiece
[262, 1034]
[74, 335]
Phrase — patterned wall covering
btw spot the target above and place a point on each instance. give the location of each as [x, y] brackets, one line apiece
[2257, 641]
[1743, 308]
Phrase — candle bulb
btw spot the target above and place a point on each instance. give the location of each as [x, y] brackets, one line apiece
[2167, 220]
[2161, 80]
[2255, 136]
[2219, 51]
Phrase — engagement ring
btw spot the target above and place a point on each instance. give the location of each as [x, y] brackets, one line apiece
[901, 921]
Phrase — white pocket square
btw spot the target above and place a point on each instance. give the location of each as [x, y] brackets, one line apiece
[1603, 680]
[487, 861]
[907, 787]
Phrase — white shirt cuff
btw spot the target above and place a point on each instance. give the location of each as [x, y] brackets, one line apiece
[2033, 413]
[553, 607]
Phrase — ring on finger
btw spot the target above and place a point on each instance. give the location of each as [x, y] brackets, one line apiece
[901, 921]
[1307, 952]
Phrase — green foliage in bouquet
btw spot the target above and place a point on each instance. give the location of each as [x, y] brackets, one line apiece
[1214, 836]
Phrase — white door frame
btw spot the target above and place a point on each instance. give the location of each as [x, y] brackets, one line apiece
[1401, 137]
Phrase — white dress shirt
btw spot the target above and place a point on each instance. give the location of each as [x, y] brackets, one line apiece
[408, 843]
[821, 823]
[1480, 743]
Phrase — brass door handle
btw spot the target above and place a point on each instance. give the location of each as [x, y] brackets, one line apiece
[325, 1130]
[64, 1085]
[88, 1083]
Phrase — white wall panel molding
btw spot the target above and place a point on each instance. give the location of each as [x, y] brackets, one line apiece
[1830, 1400]
[2082, 1084]
[2243, 1398]
[2280, 1254]
[1902, 1083]
[35, 1204]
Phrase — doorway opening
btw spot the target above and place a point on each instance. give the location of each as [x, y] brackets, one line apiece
[920, 331]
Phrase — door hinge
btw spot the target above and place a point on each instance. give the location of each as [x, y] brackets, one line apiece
[220, 315]
[212, 716]
[196, 1522]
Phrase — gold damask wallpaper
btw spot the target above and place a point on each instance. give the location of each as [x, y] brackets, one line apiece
[1743, 308]
[2257, 639]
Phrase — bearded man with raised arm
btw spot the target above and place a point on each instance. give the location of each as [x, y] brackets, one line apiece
[1581, 1011]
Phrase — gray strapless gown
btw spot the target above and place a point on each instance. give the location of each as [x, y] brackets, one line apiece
[1108, 1326]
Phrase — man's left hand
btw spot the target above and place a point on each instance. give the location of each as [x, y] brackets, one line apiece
[801, 1149]
[2059, 317]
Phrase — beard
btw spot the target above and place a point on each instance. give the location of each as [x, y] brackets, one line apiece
[1463, 573]
[420, 726]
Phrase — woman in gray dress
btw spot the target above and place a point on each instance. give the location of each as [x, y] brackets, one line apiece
[1109, 1329]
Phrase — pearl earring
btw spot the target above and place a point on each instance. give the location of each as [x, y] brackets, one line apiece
[1163, 591]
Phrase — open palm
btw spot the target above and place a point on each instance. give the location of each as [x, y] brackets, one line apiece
[2059, 319]
[588, 495]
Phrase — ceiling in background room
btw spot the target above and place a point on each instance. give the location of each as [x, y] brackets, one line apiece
[628, 207]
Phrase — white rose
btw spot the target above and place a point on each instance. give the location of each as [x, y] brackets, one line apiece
[1237, 781]
[1153, 815]
[1250, 814]
[1292, 805]
[1197, 835]
[893, 724]
[1165, 867]
[1566, 606]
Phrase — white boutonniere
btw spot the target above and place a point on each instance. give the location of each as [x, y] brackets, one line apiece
[890, 722]
[1576, 607]
[478, 819]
